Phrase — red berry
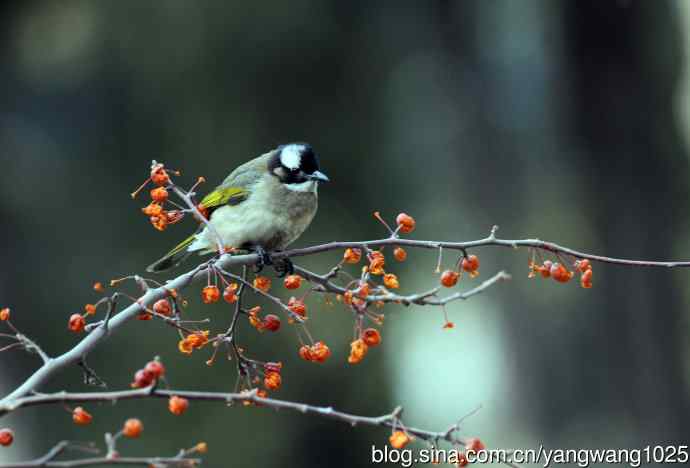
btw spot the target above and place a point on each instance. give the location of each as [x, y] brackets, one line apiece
[449, 278]
[292, 281]
[470, 263]
[132, 428]
[142, 378]
[405, 222]
[210, 294]
[297, 306]
[6, 437]
[271, 322]
[159, 194]
[81, 417]
[76, 323]
[163, 307]
[177, 405]
[474, 445]
[371, 337]
[155, 368]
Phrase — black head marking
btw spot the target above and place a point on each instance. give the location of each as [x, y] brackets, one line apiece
[293, 163]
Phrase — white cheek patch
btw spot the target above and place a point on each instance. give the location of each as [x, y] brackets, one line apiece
[308, 186]
[291, 156]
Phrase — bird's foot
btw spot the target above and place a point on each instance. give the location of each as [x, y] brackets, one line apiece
[284, 267]
[264, 259]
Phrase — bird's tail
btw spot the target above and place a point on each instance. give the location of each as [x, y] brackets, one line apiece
[172, 258]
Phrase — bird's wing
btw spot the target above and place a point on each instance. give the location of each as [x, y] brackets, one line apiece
[236, 188]
[224, 196]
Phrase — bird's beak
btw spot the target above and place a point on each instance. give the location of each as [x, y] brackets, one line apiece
[319, 176]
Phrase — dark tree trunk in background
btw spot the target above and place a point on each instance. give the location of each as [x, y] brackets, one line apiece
[625, 61]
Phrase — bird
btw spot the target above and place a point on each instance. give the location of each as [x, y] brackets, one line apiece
[264, 205]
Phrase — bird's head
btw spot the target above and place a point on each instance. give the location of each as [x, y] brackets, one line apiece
[296, 166]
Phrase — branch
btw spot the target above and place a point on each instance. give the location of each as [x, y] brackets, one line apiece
[424, 298]
[491, 240]
[226, 261]
[48, 460]
[387, 420]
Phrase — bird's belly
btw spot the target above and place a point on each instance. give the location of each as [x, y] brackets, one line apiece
[239, 227]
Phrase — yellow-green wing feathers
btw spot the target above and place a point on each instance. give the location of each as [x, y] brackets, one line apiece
[224, 196]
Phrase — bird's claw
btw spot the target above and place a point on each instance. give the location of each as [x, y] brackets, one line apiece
[284, 267]
[264, 259]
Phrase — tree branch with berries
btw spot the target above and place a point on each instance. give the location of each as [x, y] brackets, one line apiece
[362, 290]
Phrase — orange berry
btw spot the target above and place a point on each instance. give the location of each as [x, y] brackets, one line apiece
[347, 297]
[399, 439]
[358, 349]
[6, 437]
[320, 352]
[159, 176]
[162, 306]
[352, 255]
[255, 321]
[400, 254]
[89, 309]
[4, 314]
[159, 222]
[81, 417]
[470, 263]
[132, 428]
[560, 273]
[586, 279]
[377, 262]
[98, 286]
[405, 222]
[198, 339]
[262, 283]
[449, 278]
[363, 291]
[230, 293]
[76, 323]
[159, 194]
[305, 353]
[475, 445]
[272, 380]
[156, 368]
[297, 306]
[292, 282]
[582, 265]
[152, 209]
[177, 405]
[545, 269]
[391, 281]
[371, 337]
[210, 294]
[185, 347]
[271, 322]
[201, 447]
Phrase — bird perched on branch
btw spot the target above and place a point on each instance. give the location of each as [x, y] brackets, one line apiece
[264, 205]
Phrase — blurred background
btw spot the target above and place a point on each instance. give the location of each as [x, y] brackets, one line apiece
[567, 121]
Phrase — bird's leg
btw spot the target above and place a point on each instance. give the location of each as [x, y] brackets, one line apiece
[264, 259]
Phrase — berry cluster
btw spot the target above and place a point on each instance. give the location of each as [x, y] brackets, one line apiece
[159, 217]
[149, 375]
[558, 271]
